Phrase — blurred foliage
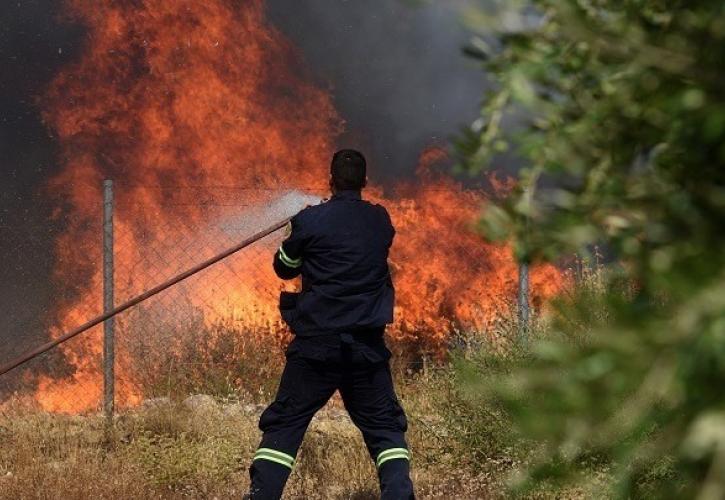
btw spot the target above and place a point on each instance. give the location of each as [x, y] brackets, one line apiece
[617, 109]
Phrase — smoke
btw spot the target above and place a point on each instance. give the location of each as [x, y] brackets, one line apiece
[33, 46]
[396, 71]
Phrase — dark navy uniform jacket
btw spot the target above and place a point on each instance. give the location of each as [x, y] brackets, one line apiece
[340, 248]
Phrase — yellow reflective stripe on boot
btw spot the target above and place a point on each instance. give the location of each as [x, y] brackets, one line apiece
[390, 454]
[274, 456]
[287, 260]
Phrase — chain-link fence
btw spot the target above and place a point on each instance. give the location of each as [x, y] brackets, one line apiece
[218, 332]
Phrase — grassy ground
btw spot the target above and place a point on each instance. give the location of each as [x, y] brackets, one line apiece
[201, 447]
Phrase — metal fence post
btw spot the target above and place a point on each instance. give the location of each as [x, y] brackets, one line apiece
[523, 298]
[523, 303]
[108, 343]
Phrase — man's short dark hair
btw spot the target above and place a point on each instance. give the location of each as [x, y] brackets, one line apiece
[348, 170]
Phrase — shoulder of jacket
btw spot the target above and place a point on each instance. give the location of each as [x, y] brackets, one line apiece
[380, 208]
[309, 212]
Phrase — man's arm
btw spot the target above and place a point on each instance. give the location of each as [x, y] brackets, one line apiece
[288, 258]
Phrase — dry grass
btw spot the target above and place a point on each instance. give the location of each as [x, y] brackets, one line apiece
[176, 450]
[171, 449]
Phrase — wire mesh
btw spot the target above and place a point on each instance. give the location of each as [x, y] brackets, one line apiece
[40, 300]
[219, 331]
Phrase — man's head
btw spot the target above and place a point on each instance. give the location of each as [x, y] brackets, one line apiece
[348, 171]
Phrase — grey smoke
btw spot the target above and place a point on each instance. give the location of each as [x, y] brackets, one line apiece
[396, 72]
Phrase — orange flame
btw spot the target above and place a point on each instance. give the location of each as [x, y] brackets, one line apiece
[193, 93]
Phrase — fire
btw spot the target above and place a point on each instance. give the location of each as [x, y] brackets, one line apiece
[446, 277]
[187, 93]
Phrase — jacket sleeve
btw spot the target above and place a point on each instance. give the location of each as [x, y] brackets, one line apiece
[288, 258]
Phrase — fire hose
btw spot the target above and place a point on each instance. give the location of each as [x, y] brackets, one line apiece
[139, 298]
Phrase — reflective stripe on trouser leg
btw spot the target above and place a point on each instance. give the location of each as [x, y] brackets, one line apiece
[391, 454]
[275, 456]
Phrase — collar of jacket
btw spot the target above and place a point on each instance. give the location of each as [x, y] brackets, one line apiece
[347, 195]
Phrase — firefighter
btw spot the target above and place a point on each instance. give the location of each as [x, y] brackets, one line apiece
[340, 248]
